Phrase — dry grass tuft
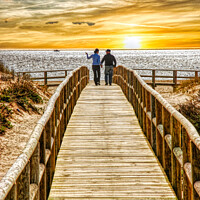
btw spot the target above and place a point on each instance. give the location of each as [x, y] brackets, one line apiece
[5, 73]
[4, 69]
[24, 93]
[187, 85]
[191, 110]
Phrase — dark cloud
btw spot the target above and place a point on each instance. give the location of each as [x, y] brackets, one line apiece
[80, 23]
[55, 22]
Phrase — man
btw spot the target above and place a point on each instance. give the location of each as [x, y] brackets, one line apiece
[110, 63]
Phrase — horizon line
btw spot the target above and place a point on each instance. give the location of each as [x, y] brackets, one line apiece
[83, 49]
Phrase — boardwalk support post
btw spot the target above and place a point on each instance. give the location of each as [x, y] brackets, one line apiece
[45, 78]
[196, 76]
[174, 80]
[153, 79]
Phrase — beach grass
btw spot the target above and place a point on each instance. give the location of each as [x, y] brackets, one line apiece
[24, 94]
[191, 110]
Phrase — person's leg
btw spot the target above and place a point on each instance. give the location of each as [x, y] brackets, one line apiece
[98, 75]
[110, 75]
[106, 74]
[95, 74]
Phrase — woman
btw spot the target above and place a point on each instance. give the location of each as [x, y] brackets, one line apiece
[95, 66]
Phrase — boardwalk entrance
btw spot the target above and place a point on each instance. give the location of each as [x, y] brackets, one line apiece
[104, 153]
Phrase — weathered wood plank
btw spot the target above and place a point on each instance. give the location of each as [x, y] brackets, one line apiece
[105, 155]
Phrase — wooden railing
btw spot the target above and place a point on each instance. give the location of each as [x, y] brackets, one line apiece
[173, 138]
[172, 80]
[31, 175]
[46, 77]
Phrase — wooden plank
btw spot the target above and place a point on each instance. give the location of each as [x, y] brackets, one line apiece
[105, 155]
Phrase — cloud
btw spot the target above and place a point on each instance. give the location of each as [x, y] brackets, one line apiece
[141, 25]
[80, 23]
[55, 22]
[113, 20]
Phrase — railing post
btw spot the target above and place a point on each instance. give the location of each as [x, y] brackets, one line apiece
[79, 82]
[34, 169]
[65, 110]
[13, 193]
[68, 101]
[153, 78]
[148, 121]
[131, 82]
[166, 148]
[134, 92]
[195, 169]
[23, 75]
[45, 78]
[176, 146]
[186, 146]
[65, 73]
[49, 163]
[43, 187]
[196, 76]
[159, 139]
[153, 128]
[127, 83]
[174, 80]
[23, 184]
[140, 111]
[143, 110]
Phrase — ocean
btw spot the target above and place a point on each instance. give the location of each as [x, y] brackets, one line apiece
[21, 60]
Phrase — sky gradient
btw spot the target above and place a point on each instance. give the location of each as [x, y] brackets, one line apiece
[99, 23]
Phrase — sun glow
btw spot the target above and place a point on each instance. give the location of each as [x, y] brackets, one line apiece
[132, 42]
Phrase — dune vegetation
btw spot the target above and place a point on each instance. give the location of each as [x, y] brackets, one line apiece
[191, 110]
[23, 93]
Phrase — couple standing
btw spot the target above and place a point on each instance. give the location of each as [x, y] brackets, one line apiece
[110, 63]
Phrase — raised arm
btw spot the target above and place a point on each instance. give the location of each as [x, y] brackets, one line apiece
[89, 57]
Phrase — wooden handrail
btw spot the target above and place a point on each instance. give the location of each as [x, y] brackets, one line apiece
[172, 80]
[46, 77]
[42, 71]
[173, 138]
[31, 175]
[180, 70]
[175, 77]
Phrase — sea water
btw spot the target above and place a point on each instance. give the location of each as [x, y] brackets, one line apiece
[21, 60]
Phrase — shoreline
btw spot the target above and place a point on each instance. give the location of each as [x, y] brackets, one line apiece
[91, 49]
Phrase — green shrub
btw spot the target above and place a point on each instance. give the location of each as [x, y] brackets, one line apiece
[4, 98]
[23, 93]
[5, 114]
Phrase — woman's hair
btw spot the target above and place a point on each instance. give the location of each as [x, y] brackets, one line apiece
[96, 50]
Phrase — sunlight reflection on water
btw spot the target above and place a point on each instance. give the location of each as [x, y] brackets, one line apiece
[147, 59]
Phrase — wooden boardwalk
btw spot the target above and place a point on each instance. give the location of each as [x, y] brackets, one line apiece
[105, 155]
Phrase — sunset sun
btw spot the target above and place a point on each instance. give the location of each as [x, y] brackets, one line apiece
[132, 42]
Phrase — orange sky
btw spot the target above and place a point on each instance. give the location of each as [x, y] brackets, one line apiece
[99, 23]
